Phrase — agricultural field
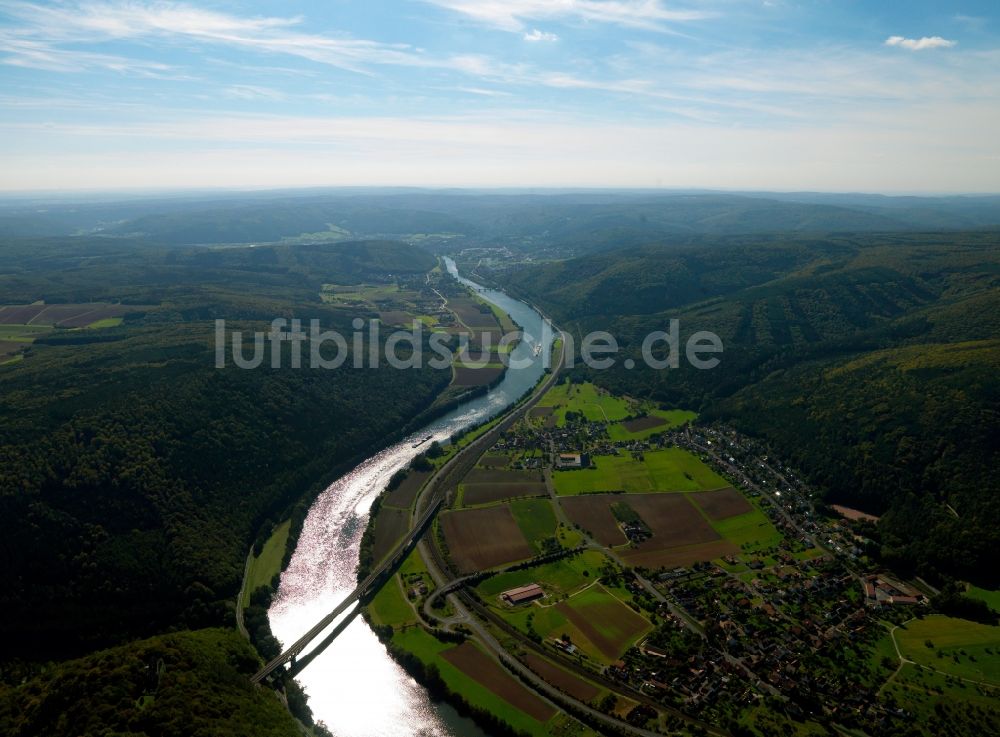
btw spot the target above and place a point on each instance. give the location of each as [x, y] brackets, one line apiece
[494, 461]
[404, 494]
[593, 403]
[958, 647]
[680, 533]
[751, 531]
[390, 527]
[722, 503]
[655, 421]
[20, 325]
[483, 538]
[669, 469]
[478, 666]
[609, 624]
[536, 519]
[593, 514]
[395, 305]
[473, 314]
[88, 314]
[562, 679]
[484, 486]
[431, 651]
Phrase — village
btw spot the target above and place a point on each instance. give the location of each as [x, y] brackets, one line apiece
[792, 623]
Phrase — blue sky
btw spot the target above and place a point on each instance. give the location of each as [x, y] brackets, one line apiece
[829, 95]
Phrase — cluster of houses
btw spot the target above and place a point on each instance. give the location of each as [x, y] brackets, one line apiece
[700, 678]
[777, 620]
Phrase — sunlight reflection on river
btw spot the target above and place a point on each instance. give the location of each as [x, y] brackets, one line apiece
[354, 687]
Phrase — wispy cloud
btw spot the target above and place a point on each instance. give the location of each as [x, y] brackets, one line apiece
[38, 54]
[920, 44]
[536, 35]
[58, 27]
[511, 15]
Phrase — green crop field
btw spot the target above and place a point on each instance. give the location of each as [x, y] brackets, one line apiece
[559, 577]
[594, 404]
[536, 519]
[670, 469]
[962, 646]
[752, 529]
[673, 417]
[264, 567]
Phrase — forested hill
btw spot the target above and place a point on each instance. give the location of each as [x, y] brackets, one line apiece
[870, 361]
[134, 476]
[549, 222]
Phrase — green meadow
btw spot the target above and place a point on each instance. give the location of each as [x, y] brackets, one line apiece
[595, 404]
[390, 605]
[670, 469]
[265, 566]
[753, 529]
[962, 646]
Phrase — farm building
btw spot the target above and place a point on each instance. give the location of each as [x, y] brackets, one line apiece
[523, 594]
[572, 460]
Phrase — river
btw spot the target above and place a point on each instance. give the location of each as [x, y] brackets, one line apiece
[354, 687]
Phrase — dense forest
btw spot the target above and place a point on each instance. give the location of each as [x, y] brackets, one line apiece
[134, 475]
[176, 685]
[868, 360]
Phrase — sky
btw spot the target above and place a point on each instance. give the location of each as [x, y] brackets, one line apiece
[823, 95]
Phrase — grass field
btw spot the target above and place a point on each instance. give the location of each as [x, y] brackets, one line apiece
[390, 605]
[107, 322]
[536, 519]
[753, 529]
[483, 538]
[992, 598]
[595, 404]
[558, 578]
[268, 563]
[670, 469]
[920, 692]
[22, 333]
[963, 646]
[672, 418]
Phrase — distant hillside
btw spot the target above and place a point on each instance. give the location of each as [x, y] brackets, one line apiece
[271, 222]
[543, 222]
[868, 360]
